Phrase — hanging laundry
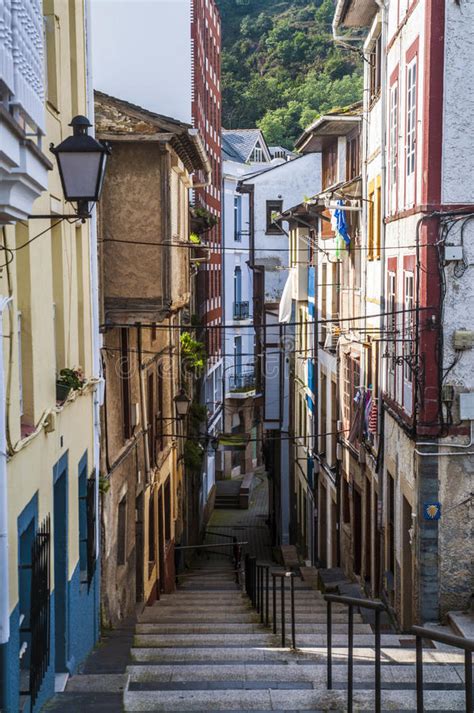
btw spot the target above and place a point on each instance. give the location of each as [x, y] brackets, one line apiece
[341, 223]
[373, 417]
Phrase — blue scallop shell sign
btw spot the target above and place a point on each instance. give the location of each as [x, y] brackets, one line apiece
[432, 511]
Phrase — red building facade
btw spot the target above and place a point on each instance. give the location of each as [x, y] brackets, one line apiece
[206, 113]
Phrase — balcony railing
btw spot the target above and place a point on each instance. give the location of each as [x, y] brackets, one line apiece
[242, 382]
[241, 310]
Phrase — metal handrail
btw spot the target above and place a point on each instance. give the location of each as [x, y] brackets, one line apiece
[352, 602]
[459, 642]
[201, 547]
[257, 578]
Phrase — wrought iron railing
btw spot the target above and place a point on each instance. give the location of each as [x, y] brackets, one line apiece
[241, 310]
[38, 627]
[257, 587]
[242, 382]
[353, 602]
[459, 642]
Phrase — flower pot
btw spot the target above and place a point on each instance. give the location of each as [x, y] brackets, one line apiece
[62, 391]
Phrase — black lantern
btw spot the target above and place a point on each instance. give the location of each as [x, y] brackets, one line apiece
[182, 404]
[81, 162]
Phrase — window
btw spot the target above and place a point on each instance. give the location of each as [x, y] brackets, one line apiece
[393, 154]
[375, 69]
[329, 165]
[125, 384]
[238, 219]
[324, 287]
[151, 529]
[160, 441]
[408, 336]
[237, 285]
[238, 356]
[352, 157]
[351, 387]
[122, 531]
[392, 327]
[411, 118]
[257, 154]
[370, 221]
[152, 436]
[273, 208]
[378, 219]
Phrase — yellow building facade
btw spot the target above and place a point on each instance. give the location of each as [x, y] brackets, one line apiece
[49, 321]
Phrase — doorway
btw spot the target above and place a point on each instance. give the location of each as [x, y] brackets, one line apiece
[357, 531]
[161, 542]
[407, 566]
[139, 547]
[323, 551]
[368, 532]
[60, 566]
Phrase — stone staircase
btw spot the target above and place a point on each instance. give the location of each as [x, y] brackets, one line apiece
[204, 649]
[228, 494]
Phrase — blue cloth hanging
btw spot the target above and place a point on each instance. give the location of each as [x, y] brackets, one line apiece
[340, 216]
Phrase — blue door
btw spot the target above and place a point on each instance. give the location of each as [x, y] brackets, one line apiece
[60, 564]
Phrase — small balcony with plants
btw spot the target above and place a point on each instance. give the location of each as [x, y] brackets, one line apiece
[241, 386]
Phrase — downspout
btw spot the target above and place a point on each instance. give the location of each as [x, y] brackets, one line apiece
[94, 279]
[4, 564]
[383, 195]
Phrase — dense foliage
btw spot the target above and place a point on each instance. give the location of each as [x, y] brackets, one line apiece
[281, 68]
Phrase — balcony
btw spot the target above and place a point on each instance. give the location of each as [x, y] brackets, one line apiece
[242, 385]
[241, 310]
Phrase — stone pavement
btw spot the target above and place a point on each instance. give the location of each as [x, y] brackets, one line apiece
[248, 525]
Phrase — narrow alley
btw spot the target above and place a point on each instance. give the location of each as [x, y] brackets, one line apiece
[206, 647]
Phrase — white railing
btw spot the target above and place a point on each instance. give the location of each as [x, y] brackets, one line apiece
[28, 58]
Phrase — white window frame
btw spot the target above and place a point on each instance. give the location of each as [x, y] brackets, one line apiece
[392, 344]
[411, 129]
[393, 144]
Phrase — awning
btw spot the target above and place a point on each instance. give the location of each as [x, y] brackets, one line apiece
[284, 314]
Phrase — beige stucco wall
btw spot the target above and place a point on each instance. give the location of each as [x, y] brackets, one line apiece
[50, 284]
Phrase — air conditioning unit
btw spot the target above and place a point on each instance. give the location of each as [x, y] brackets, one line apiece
[339, 425]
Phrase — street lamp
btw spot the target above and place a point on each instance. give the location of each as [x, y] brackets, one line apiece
[81, 162]
[182, 404]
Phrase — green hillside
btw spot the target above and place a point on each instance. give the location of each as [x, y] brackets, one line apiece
[281, 67]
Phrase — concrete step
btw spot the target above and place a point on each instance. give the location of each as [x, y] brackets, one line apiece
[260, 639]
[242, 628]
[164, 640]
[305, 654]
[285, 700]
[315, 673]
[153, 615]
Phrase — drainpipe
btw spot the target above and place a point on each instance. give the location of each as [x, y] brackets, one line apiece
[4, 572]
[94, 278]
[380, 426]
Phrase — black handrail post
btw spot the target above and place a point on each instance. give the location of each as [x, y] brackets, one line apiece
[468, 679]
[247, 574]
[274, 603]
[257, 586]
[254, 579]
[293, 628]
[419, 674]
[378, 689]
[262, 593]
[267, 594]
[283, 622]
[350, 663]
[329, 644]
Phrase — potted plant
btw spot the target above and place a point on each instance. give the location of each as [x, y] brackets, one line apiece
[201, 250]
[68, 380]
